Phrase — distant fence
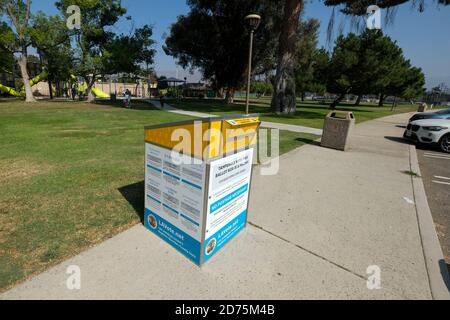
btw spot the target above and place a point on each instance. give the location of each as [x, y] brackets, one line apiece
[42, 89]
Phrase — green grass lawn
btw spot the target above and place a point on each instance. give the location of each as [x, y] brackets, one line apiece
[70, 177]
[310, 114]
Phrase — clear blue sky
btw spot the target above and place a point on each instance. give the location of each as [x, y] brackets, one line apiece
[423, 36]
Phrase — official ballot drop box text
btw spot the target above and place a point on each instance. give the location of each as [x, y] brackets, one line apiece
[197, 182]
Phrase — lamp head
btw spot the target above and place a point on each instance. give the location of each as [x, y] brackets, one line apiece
[253, 21]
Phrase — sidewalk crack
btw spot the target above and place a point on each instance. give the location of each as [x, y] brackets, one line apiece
[309, 251]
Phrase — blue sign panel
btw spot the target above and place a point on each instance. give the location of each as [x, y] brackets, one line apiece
[177, 238]
[224, 235]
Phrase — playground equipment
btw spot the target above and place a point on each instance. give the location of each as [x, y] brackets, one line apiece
[40, 77]
[100, 94]
[21, 92]
[95, 91]
[9, 91]
[43, 76]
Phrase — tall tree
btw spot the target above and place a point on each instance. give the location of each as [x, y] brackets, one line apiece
[93, 36]
[306, 53]
[371, 63]
[414, 83]
[213, 38]
[261, 88]
[19, 12]
[127, 53]
[6, 48]
[321, 73]
[284, 97]
[402, 81]
[386, 70]
[359, 8]
[381, 62]
[344, 69]
[147, 54]
[50, 36]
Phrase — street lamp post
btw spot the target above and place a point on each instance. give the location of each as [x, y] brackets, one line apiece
[253, 21]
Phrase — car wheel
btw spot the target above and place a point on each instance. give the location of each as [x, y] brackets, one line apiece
[445, 143]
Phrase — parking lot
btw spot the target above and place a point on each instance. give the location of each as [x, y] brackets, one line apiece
[435, 168]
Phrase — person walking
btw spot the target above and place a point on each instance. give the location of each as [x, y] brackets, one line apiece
[129, 98]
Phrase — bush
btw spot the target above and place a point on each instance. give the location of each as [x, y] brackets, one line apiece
[261, 88]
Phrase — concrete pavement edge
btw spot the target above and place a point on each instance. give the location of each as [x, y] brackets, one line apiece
[438, 274]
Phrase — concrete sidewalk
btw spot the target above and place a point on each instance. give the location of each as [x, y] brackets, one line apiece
[314, 230]
[264, 124]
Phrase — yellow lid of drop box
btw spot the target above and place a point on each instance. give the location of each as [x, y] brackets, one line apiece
[207, 138]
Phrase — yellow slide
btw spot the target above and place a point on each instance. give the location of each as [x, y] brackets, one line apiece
[100, 94]
[21, 93]
[96, 92]
[41, 77]
[10, 91]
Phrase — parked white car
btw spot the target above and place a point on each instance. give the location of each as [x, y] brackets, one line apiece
[430, 131]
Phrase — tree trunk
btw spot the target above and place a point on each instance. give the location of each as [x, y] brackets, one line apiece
[284, 99]
[394, 104]
[90, 84]
[220, 93]
[358, 100]
[90, 95]
[21, 24]
[303, 96]
[14, 75]
[57, 89]
[381, 102]
[26, 79]
[334, 104]
[229, 97]
[50, 89]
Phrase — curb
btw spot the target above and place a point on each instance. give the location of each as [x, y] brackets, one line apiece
[438, 275]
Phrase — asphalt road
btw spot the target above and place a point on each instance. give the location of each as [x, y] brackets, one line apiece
[435, 168]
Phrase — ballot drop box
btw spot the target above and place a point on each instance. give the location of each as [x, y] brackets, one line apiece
[197, 182]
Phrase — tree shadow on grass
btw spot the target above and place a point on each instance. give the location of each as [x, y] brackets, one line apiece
[352, 105]
[134, 194]
[6, 99]
[339, 108]
[308, 115]
[305, 110]
[214, 106]
[135, 105]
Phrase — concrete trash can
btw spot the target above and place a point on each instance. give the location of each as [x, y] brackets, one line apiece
[337, 130]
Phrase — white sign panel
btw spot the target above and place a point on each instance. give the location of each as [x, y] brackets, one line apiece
[228, 193]
[174, 198]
